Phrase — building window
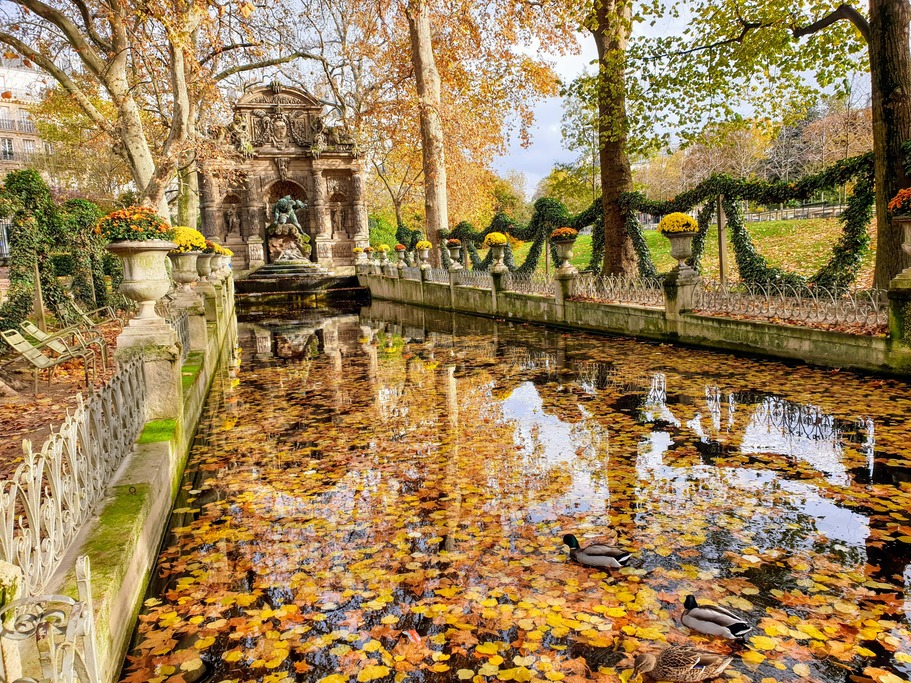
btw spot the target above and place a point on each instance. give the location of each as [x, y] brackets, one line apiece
[6, 149]
[28, 147]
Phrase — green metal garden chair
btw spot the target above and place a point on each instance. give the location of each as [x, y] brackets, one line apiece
[39, 361]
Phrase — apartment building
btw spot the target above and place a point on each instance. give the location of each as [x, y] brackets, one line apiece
[19, 86]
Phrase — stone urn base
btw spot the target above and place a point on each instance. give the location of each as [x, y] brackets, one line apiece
[145, 276]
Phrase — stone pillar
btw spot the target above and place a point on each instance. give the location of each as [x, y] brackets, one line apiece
[208, 207]
[900, 319]
[564, 288]
[157, 346]
[679, 294]
[499, 284]
[205, 290]
[321, 222]
[195, 306]
[361, 228]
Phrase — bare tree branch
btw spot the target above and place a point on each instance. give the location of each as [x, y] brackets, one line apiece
[74, 36]
[61, 77]
[226, 48]
[843, 11]
[275, 61]
[103, 43]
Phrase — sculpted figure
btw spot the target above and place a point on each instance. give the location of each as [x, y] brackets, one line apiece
[284, 211]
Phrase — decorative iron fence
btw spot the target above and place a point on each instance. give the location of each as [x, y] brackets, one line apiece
[475, 278]
[795, 305]
[411, 273]
[620, 289]
[438, 275]
[180, 321]
[531, 283]
[54, 491]
[52, 632]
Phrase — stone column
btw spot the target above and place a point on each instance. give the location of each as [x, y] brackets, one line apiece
[157, 346]
[900, 319]
[253, 225]
[208, 207]
[195, 306]
[499, 284]
[564, 288]
[361, 228]
[679, 294]
[321, 222]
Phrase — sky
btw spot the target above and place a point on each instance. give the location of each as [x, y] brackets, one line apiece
[546, 142]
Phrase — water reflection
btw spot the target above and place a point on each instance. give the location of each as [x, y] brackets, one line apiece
[389, 490]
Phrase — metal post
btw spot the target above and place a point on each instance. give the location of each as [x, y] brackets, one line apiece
[722, 241]
[39, 300]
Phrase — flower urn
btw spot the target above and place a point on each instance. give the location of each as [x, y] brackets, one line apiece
[145, 273]
[454, 253]
[564, 249]
[424, 255]
[681, 247]
[184, 268]
[204, 265]
[498, 251]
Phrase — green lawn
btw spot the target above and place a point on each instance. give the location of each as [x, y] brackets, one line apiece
[799, 246]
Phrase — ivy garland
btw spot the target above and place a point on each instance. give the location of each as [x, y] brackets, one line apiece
[839, 272]
[841, 269]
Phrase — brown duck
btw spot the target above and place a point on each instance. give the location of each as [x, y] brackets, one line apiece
[681, 664]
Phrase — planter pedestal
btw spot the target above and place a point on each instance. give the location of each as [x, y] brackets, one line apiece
[903, 279]
[498, 266]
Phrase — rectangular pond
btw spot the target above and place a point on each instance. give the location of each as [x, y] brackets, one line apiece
[382, 495]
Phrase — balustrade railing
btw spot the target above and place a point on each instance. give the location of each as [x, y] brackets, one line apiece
[411, 273]
[530, 283]
[55, 490]
[52, 636]
[783, 303]
[180, 321]
[620, 289]
[440, 275]
[475, 278]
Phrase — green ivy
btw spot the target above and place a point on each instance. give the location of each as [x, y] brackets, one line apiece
[842, 267]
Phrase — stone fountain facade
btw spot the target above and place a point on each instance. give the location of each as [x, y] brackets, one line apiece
[284, 148]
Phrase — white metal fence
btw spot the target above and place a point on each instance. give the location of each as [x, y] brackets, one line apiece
[53, 633]
[54, 491]
[620, 289]
[180, 321]
[475, 278]
[797, 305]
[440, 275]
[530, 283]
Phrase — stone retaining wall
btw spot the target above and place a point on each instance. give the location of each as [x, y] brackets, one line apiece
[123, 539]
[673, 323]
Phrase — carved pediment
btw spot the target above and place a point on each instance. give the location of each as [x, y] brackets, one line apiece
[269, 96]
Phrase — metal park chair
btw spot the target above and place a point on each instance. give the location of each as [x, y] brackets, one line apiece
[74, 314]
[39, 361]
[79, 338]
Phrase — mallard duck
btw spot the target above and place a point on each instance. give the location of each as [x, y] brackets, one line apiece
[596, 555]
[713, 620]
[682, 664]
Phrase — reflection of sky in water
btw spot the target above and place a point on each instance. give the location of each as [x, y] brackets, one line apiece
[554, 442]
[801, 432]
